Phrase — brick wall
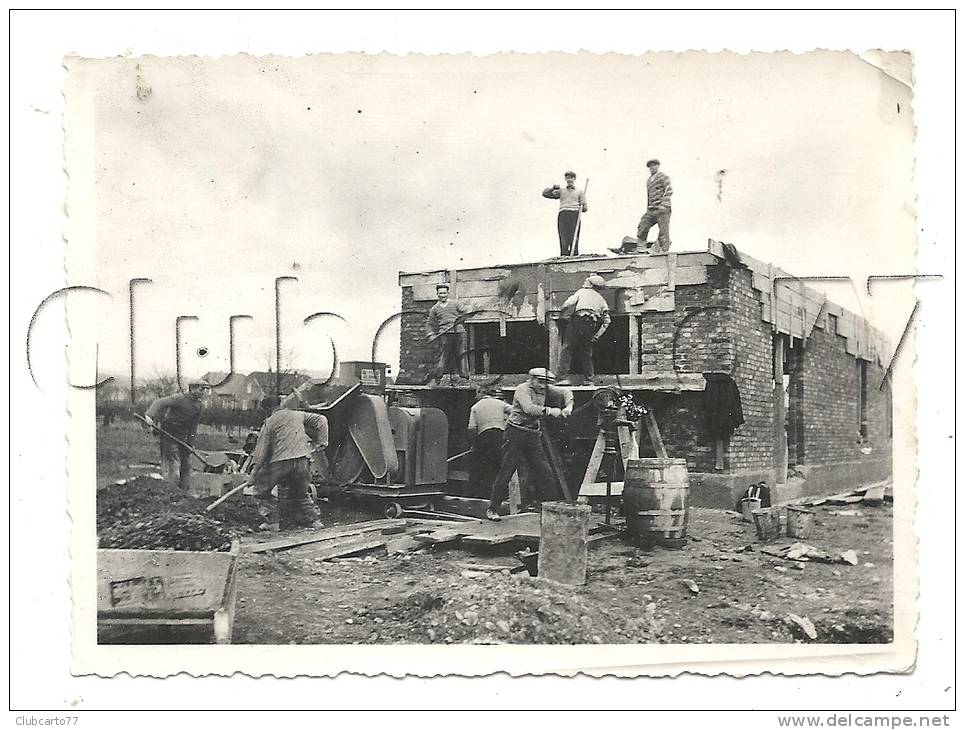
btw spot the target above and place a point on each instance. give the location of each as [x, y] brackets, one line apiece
[830, 396]
[752, 445]
[416, 354]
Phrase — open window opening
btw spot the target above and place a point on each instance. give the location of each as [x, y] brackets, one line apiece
[611, 353]
[515, 349]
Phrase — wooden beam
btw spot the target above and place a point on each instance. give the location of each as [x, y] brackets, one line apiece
[555, 343]
[654, 431]
[634, 327]
[556, 465]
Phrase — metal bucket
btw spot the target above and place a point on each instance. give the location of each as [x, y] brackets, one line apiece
[656, 497]
[768, 524]
[748, 506]
[799, 522]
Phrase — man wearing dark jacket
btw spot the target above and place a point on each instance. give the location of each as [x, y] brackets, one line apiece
[178, 415]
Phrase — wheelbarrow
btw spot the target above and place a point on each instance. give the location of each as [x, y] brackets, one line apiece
[161, 596]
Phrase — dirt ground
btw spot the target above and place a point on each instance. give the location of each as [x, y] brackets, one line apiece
[439, 595]
[631, 595]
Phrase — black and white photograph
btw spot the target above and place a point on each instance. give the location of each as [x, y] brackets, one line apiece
[428, 364]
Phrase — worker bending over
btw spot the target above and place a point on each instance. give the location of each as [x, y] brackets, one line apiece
[282, 457]
[589, 320]
[532, 400]
[178, 416]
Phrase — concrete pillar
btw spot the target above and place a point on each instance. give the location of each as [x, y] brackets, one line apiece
[564, 529]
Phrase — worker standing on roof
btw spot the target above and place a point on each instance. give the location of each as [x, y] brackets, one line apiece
[286, 443]
[444, 324]
[572, 205]
[487, 426]
[178, 415]
[659, 192]
[532, 400]
[590, 318]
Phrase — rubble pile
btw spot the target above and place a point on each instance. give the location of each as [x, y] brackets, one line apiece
[122, 503]
[168, 531]
[121, 506]
[496, 608]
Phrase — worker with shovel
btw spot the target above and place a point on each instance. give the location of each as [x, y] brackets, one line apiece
[286, 443]
[572, 206]
[178, 416]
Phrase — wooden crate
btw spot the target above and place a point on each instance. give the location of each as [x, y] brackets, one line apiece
[155, 592]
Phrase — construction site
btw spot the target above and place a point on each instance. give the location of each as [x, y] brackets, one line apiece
[724, 475]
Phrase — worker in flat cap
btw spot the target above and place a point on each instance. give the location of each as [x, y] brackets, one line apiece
[533, 400]
[659, 192]
[572, 206]
[444, 324]
[177, 415]
[589, 318]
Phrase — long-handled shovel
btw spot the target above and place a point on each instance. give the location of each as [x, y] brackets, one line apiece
[225, 496]
[579, 219]
[214, 460]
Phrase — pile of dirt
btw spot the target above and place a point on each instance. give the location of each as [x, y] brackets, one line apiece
[240, 513]
[168, 531]
[139, 497]
[120, 505]
[503, 609]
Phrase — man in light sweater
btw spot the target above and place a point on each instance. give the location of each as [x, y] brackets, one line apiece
[572, 205]
[532, 400]
[487, 424]
[590, 318]
[444, 325]
[286, 443]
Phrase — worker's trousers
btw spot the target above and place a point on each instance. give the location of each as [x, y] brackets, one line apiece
[176, 461]
[296, 508]
[485, 461]
[660, 218]
[521, 447]
[576, 355]
[567, 226]
[451, 347]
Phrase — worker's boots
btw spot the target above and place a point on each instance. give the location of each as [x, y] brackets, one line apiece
[268, 511]
[296, 509]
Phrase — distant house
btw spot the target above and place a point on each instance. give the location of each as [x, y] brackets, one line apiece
[237, 393]
[266, 382]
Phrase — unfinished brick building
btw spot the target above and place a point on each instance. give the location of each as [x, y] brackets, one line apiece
[812, 376]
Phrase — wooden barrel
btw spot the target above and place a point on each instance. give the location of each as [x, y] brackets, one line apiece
[656, 501]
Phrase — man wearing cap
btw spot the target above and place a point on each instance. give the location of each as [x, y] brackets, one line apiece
[590, 319]
[444, 324]
[487, 426]
[282, 457]
[572, 205]
[177, 415]
[659, 192]
[532, 400]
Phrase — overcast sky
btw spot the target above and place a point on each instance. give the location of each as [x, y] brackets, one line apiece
[213, 176]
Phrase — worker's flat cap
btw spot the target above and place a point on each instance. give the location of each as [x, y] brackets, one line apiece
[569, 173]
[441, 286]
[596, 281]
[653, 162]
[542, 374]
